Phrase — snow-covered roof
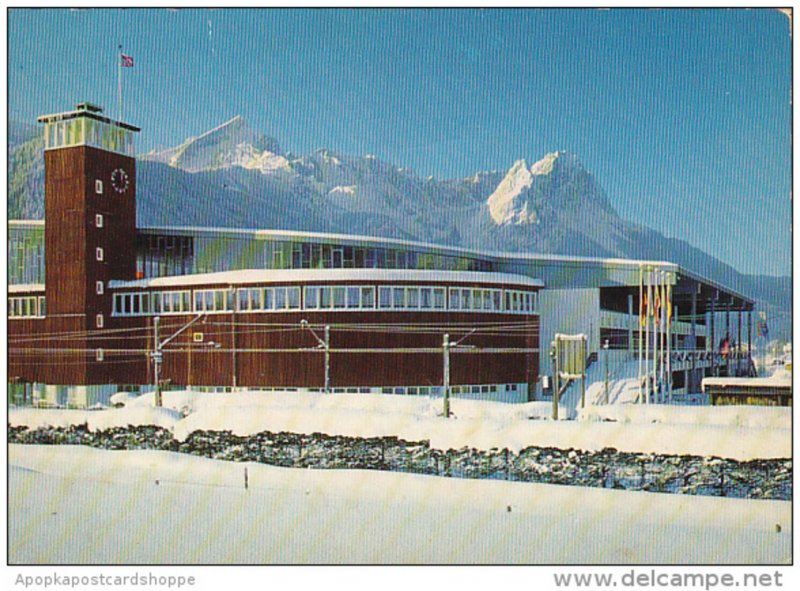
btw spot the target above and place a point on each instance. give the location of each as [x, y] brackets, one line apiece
[25, 287]
[247, 276]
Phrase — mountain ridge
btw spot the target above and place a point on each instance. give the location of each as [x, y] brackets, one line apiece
[232, 176]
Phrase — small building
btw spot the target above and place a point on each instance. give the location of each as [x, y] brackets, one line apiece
[770, 391]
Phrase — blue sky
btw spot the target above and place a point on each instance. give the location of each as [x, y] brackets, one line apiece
[683, 116]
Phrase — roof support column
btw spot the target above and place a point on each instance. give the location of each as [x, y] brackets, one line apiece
[713, 337]
[739, 342]
[668, 338]
[630, 325]
[749, 330]
[690, 386]
[728, 336]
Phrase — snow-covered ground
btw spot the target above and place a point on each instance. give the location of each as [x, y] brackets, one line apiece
[740, 433]
[78, 505]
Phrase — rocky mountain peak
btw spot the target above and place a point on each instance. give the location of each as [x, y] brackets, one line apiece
[231, 144]
[556, 182]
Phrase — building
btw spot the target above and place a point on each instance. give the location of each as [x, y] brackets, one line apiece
[94, 300]
[775, 390]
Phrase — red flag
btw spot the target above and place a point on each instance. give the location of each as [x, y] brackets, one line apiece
[127, 61]
[725, 347]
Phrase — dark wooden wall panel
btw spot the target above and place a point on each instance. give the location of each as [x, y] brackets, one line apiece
[187, 362]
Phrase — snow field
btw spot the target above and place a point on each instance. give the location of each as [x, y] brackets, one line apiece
[159, 507]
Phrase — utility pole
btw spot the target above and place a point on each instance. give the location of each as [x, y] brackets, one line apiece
[446, 374]
[233, 339]
[583, 375]
[605, 349]
[325, 345]
[327, 359]
[554, 359]
[156, 354]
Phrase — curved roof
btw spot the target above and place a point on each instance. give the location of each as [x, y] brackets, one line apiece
[308, 276]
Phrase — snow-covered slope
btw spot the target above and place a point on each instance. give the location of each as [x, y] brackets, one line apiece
[507, 203]
[231, 144]
[155, 507]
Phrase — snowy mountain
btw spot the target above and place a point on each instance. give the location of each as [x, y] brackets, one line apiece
[232, 176]
[231, 144]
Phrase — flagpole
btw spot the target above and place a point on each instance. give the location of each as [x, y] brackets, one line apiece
[641, 281]
[662, 320]
[669, 337]
[647, 337]
[119, 80]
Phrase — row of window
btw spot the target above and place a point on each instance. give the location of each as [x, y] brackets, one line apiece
[322, 297]
[161, 255]
[494, 300]
[411, 298]
[89, 132]
[26, 307]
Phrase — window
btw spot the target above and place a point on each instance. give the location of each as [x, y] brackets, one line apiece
[256, 302]
[98, 287]
[367, 297]
[213, 300]
[477, 299]
[384, 297]
[26, 307]
[466, 299]
[338, 297]
[425, 298]
[312, 298]
[293, 297]
[353, 297]
[98, 253]
[280, 298]
[325, 297]
[269, 298]
[438, 298]
[399, 297]
[412, 297]
[98, 187]
[98, 321]
[455, 299]
[98, 355]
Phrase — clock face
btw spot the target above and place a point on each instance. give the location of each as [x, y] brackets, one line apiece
[120, 180]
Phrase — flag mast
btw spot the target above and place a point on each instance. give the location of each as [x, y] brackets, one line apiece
[119, 80]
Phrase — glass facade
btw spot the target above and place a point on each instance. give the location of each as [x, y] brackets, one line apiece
[25, 253]
[162, 254]
[77, 130]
